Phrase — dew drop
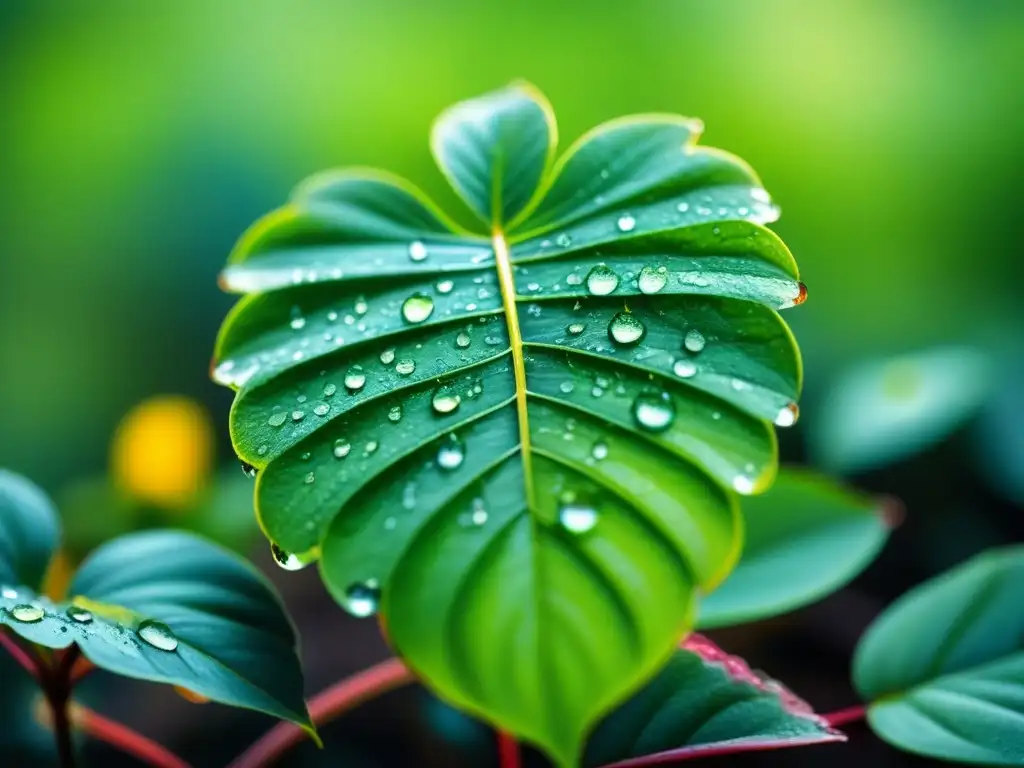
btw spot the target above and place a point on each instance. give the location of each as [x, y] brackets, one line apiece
[9, 593]
[362, 598]
[361, 306]
[654, 411]
[445, 400]
[566, 387]
[445, 286]
[684, 369]
[683, 207]
[652, 279]
[157, 635]
[342, 448]
[405, 367]
[395, 413]
[451, 453]
[479, 514]
[743, 484]
[329, 390]
[573, 279]
[462, 340]
[371, 446]
[788, 415]
[310, 478]
[601, 280]
[417, 251]
[417, 308]
[297, 322]
[694, 341]
[321, 409]
[248, 469]
[277, 419]
[27, 614]
[575, 329]
[577, 518]
[387, 357]
[390, 523]
[564, 240]
[332, 316]
[625, 328]
[80, 615]
[355, 378]
[626, 223]
[298, 415]
[600, 451]
[286, 560]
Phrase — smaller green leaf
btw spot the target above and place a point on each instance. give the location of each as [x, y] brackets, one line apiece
[171, 607]
[883, 411]
[496, 148]
[29, 532]
[806, 538]
[944, 665]
[704, 702]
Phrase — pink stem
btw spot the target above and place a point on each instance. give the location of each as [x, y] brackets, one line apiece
[24, 658]
[327, 705]
[508, 751]
[844, 716]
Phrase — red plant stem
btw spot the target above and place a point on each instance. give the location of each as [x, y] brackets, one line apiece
[844, 716]
[125, 739]
[508, 751]
[25, 659]
[81, 667]
[327, 705]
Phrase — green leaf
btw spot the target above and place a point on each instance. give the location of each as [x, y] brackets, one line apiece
[805, 538]
[944, 665]
[527, 438]
[704, 702]
[883, 411]
[170, 607]
[29, 532]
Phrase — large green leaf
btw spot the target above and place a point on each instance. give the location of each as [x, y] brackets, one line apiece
[523, 442]
[944, 665]
[165, 606]
[29, 532]
[704, 702]
[805, 538]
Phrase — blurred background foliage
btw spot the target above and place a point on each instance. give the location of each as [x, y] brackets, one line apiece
[138, 140]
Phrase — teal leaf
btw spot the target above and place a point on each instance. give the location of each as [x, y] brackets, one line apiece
[171, 607]
[495, 150]
[526, 439]
[29, 532]
[805, 538]
[886, 410]
[704, 702]
[943, 667]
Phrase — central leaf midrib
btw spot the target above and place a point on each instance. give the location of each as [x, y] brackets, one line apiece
[506, 283]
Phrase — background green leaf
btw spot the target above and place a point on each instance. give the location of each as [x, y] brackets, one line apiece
[511, 441]
[704, 701]
[882, 411]
[943, 667]
[805, 538]
[29, 532]
[171, 607]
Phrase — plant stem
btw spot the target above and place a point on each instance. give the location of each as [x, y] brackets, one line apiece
[327, 705]
[844, 716]
[26, 660]
[508, 751]
[57, 695]
[125, 739]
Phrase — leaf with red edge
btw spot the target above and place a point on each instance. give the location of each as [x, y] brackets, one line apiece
[704, 702]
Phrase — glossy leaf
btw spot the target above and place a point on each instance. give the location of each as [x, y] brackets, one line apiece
[526, 438]
[704, 702]
[29, 532]
[944, 665]
[805, 538]
[883, 411]
[169, 607]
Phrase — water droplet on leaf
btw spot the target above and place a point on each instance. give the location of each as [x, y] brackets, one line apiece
[625, 328]
[577, 518]
[417, 308]
[362, 598]
[158, 635]
[626, 223]
[445, 400]
[451, 453]
[342, 448]
[417, 251]
[652, 279]
[405, 367]
[788, 415]
[27, 614]
[80, 615]
[654, 411]
[684, 369]
[355, 378]
[694, 341]
[601, 280]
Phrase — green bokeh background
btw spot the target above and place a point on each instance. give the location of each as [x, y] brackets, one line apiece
[139, 139]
